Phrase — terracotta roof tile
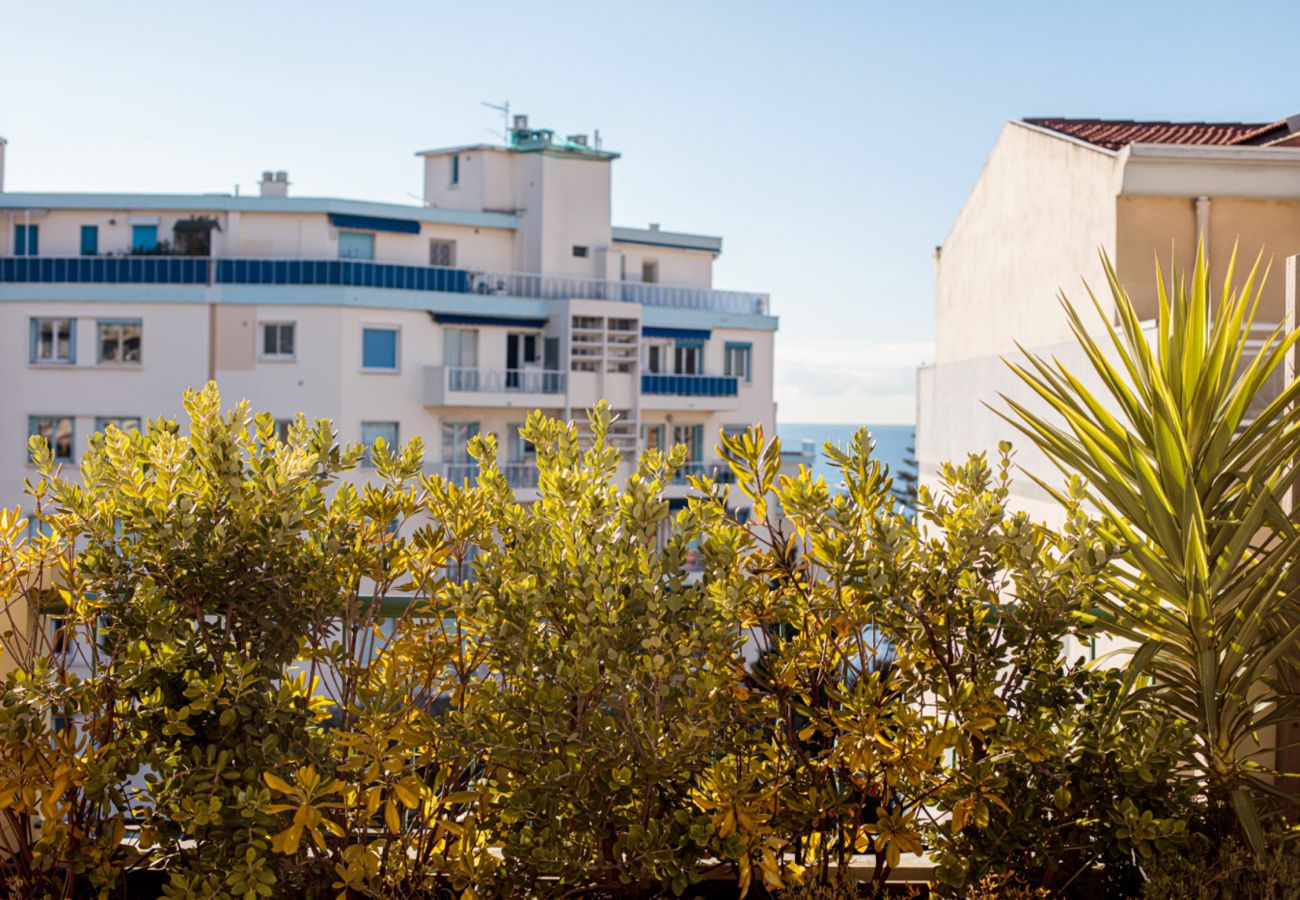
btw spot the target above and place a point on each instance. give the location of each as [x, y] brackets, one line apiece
[1116, 133]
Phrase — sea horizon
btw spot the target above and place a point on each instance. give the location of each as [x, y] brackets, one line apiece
[894, 443]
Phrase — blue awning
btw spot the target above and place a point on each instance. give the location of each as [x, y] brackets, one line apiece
[677, 334]
[506, 321]
[374, 223]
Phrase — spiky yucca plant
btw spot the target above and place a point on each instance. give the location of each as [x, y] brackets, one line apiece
[1189, 461]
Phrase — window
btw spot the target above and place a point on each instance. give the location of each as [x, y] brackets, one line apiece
[460, 356]
[121, 423]
[57, 432]
[455, 442]
[282, 427]
[27, 239]
[693, 437]
[356, 245]
[119, 340]
[455, 170]
[737, 360]
[579, 251]
[688, 359]
[277, 340]
[89, 240]
[54, 341]
[649, 271]
[658, 358]
[520, 450]
[652, 437]
[144, 238]
[442, 253]
[373, 431]
[523, 349]
[458, 465]
[379, 349]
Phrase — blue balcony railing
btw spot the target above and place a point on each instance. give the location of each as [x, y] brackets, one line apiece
[364, 273]
[690, 385]
[348, 272]
[105, 269]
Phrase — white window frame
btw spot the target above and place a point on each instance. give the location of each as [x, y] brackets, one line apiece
[366, 461]
[683, 352]
[278, 356]
[746, 354]
[33, 355]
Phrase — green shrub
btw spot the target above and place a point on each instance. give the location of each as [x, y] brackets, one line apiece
[291, 679]
[1227, 872]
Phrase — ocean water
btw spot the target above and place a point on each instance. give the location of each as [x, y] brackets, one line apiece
[894, 443]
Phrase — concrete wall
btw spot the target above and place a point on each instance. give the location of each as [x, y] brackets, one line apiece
[174, 356]
[575, 212]
[693, 268]
[1032, 227]
[1151, 228]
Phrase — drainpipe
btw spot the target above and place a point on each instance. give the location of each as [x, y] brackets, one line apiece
[1203, 222]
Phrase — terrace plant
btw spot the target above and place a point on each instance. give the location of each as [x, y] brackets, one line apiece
[1189, 454]
[915, 675]
[613, 670]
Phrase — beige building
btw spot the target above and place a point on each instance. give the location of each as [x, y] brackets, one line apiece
[1053, 195]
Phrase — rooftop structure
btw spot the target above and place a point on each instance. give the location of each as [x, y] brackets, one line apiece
[507, 289]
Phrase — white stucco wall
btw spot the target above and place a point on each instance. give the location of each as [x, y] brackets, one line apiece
[1033, 226]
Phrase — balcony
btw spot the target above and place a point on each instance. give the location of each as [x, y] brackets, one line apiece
[459, 472]
[715, 469]
[518, 474]
[460, 386]
[105, 270]
[196, 270]
[705, 392]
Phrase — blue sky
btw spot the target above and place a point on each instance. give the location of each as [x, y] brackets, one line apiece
[831, 144]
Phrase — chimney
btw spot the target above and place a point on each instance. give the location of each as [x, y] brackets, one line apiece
[654, 226]
[274, 184]
[2, 164]
[579, 139]
[521, 123]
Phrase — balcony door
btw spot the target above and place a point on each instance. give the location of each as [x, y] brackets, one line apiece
[690, 359]
[523, 359]
[460, 356]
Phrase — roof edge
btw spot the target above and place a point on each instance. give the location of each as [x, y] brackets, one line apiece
[251, 204]
[677, 239]
[1062, 136]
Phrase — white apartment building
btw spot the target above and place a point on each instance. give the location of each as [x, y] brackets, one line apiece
[508, 290]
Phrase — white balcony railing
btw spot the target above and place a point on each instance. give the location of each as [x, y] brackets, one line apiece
[518, 474]
[459, 471]
[716, 469]
[462, 379]
[563, 287]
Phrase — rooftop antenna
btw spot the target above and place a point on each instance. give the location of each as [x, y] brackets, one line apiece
[504, 109]
[596, 135]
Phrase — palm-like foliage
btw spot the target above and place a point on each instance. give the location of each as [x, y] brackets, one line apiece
[1189, 460]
